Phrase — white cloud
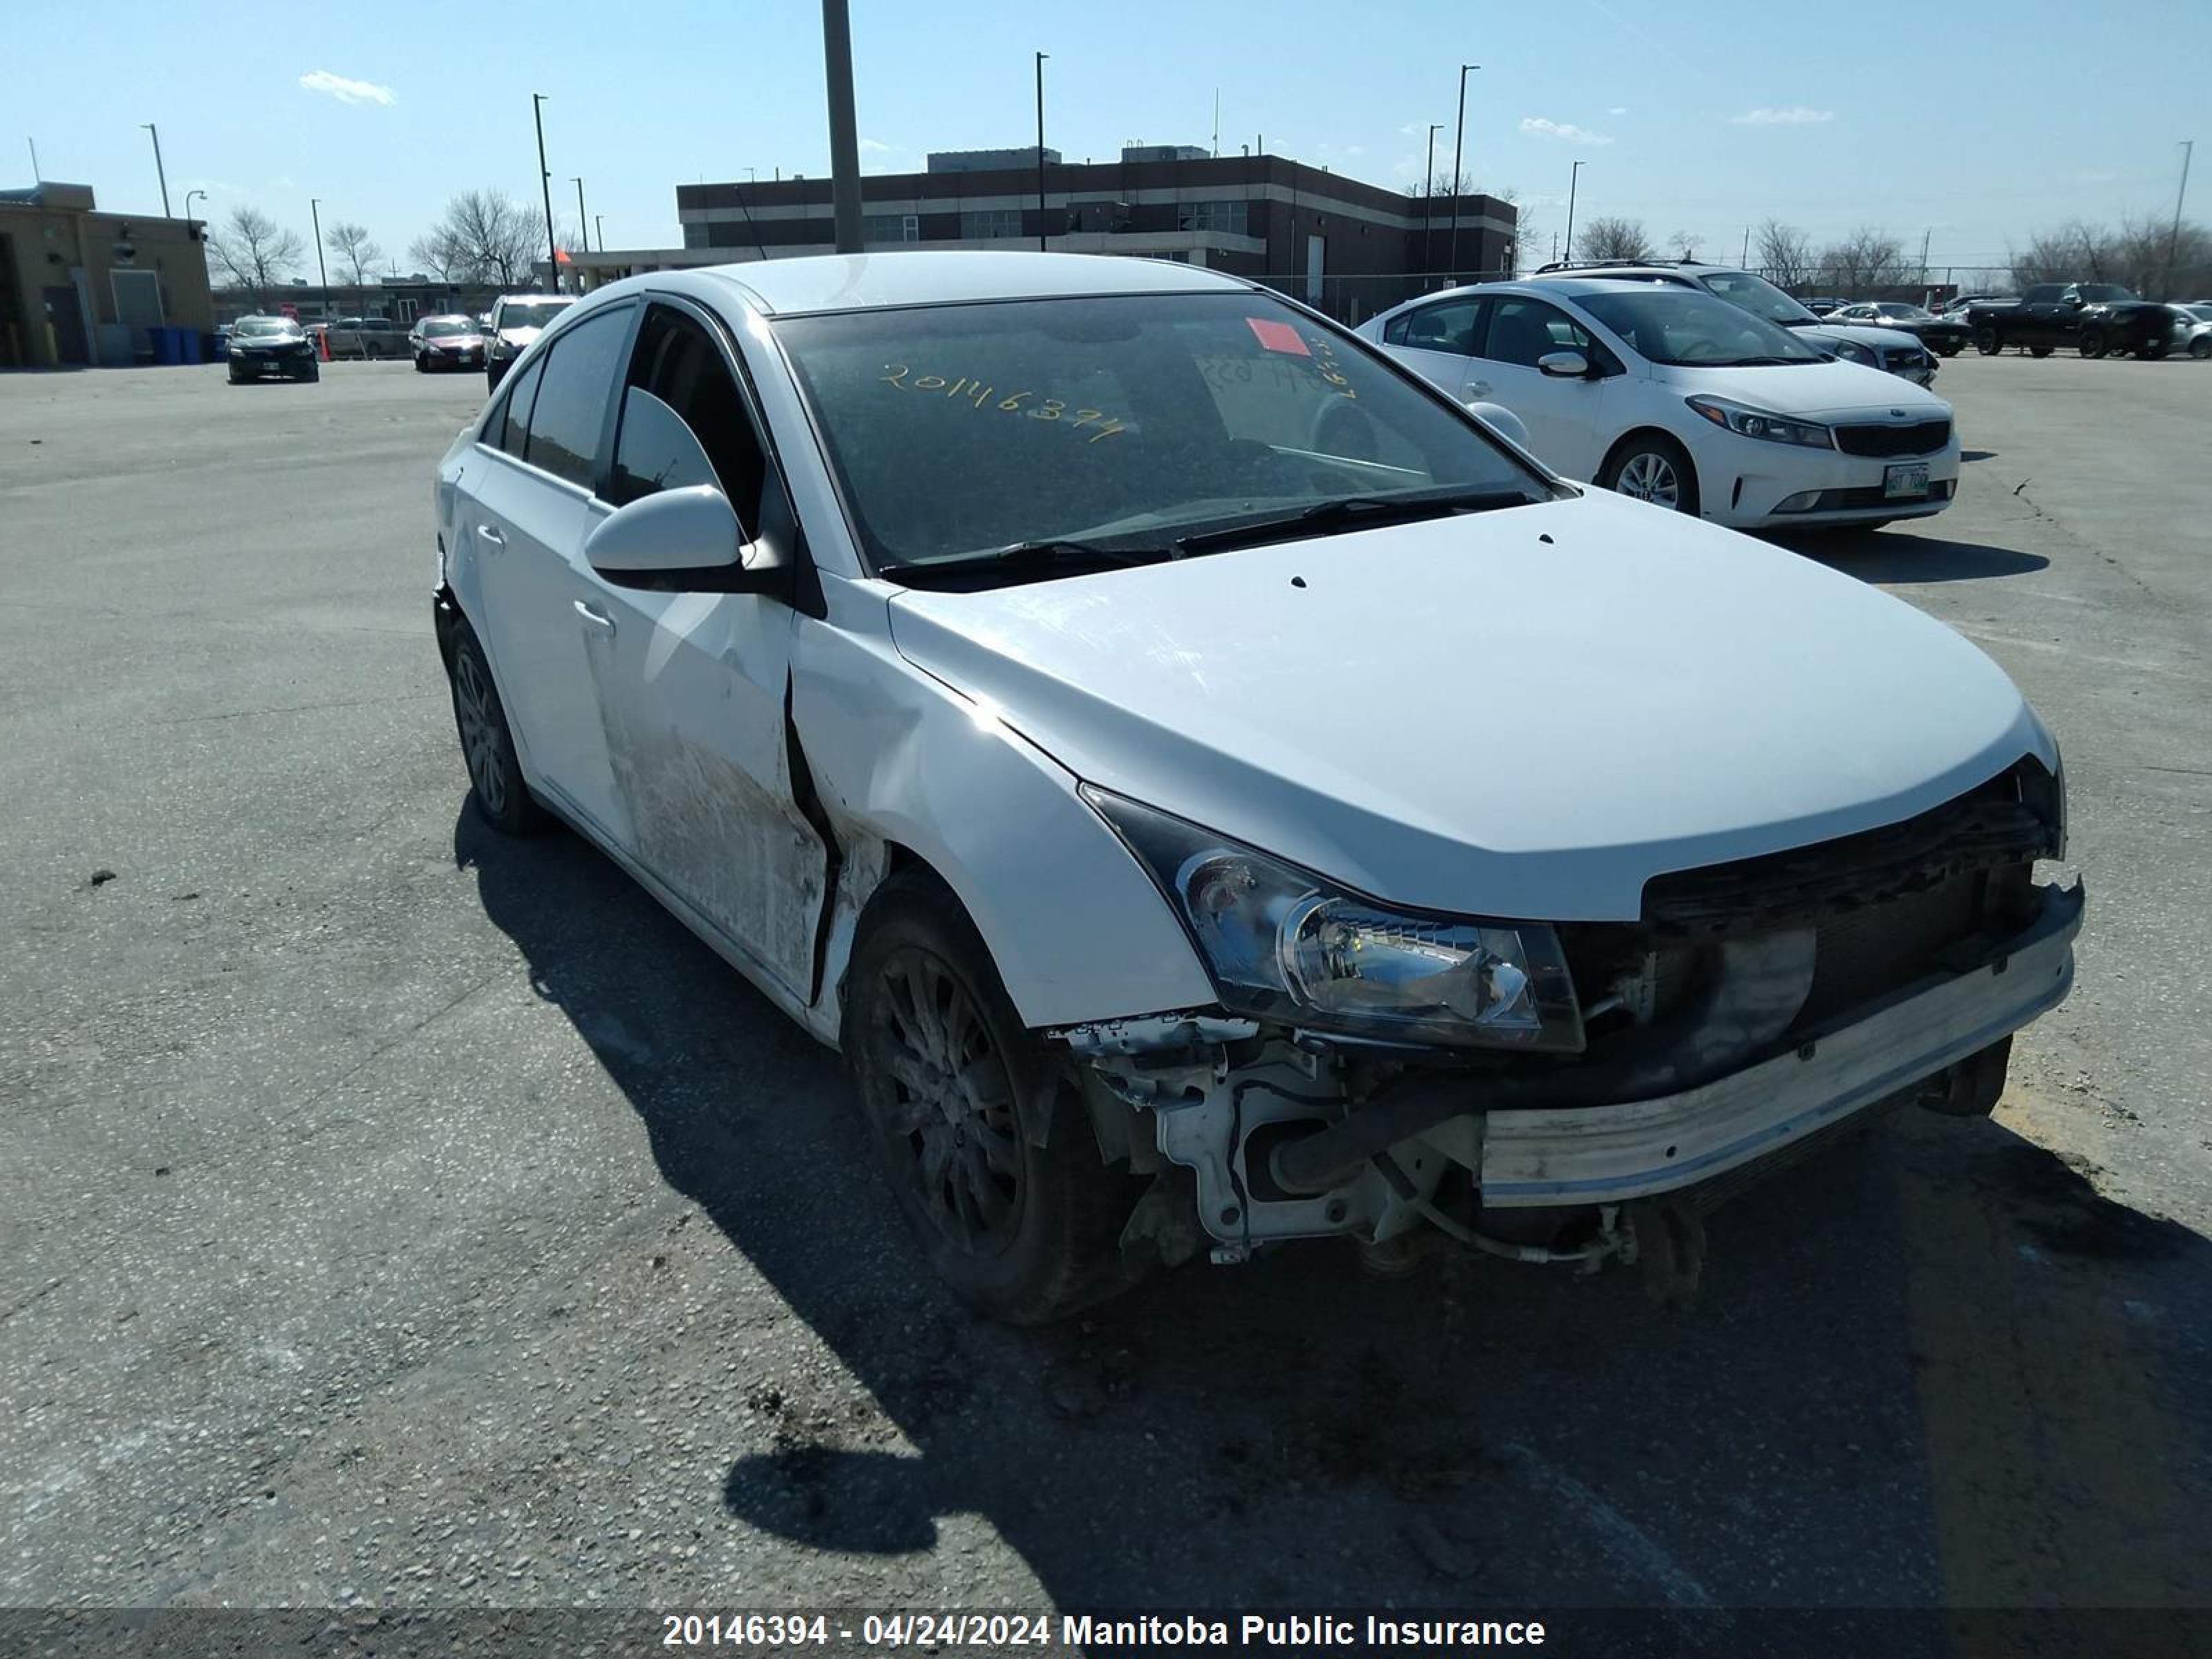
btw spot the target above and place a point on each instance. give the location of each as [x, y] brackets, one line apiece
[348, 91]
[1796, 116]
[1618, 109]
[876, 146]
[1543, 128]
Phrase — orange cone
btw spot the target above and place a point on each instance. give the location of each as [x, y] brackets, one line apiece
[322, 343]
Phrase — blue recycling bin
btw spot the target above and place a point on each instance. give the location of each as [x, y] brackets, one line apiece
[164, 342]
[188, 346]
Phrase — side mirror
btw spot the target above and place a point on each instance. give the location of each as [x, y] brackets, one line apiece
[1565, 365]
[686, 539]
[1501, 420]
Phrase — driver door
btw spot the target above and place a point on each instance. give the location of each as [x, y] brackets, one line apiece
[691, 686]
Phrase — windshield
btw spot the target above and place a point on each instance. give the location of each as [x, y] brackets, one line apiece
[2201, 313]
[1758, 295]
[2097, 291]
[444, 328]
[1911, 313]
[955, 431]
[529, 313]
[1687, 328]
[265, 326]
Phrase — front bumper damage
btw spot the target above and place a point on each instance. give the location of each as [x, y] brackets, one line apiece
[1224, 1103]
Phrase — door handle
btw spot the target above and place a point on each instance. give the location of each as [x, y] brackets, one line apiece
[597, 618]
[1480, 388]
[488, 534]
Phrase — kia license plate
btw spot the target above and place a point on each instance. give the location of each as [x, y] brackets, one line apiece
[1904, 482]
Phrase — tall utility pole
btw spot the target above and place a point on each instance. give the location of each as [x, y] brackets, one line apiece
[2174, 236]
[599, 224]
[583, 220]
[1574, 178]
[1745, 260]
[545, 186]
[159, 172]
[1459, 144]
[1040, 80]
[1429, 195]
[844, 133]
[315, 215]
[37, 178]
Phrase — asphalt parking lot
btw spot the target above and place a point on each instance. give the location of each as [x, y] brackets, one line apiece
[392, 1214]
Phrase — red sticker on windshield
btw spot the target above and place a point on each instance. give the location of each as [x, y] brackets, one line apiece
[1278, 337]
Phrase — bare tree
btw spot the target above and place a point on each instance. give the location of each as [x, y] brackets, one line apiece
[351, 246]
[1614, 239]
[1865, 260]
[1522, 251]
[483, 236]
[256, 251]
[1785, 254]
[2148, 256]
[1687, 242]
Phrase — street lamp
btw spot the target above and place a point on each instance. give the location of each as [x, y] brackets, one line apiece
[1429, 195]
[158, 172]
[1459, 144]
[599, 224]
[1040, 103]
[1574, 178]
[583, 223]
[546, 186]
[188, 201]
[314, 214]
[2174, 236]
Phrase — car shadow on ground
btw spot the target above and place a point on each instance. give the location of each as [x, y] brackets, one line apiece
[1902, 555]
[1934, 1365]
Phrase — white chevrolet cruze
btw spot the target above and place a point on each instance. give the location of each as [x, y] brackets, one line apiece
[1677, 397]
[1213, 791]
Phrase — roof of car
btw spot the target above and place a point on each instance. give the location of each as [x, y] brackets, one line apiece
[850, 282]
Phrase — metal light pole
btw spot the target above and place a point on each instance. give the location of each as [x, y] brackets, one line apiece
[1574, 178]
[315, 214]
[1459, 144]
[188, 202]
[844, 134]
[2174, 236]
[1429, 197]
[158, 171]
[545, 186]
[599, 224]
[1040, 102]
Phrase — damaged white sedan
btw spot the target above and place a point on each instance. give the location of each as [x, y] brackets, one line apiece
[1211, 789]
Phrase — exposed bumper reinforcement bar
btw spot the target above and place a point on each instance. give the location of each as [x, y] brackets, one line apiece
[1609, 1154]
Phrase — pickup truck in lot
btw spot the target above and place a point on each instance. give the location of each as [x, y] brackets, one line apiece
[2097, 319]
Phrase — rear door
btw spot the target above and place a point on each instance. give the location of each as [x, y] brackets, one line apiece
[1437, 341]
[529, 513]
[1566, 418]
[691, 687]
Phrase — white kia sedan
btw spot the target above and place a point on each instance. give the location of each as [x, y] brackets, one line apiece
[1215, 792]
[1672, 395]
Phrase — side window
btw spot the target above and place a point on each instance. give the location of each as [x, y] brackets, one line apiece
[510, 429]
[571, 410]
[684, 421]
[1448, 325]
[1522, 330]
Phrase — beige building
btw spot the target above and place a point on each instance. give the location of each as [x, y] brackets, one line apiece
[80, 286]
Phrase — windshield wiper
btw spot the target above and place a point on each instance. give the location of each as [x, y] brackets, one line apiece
[1349, 512]
[1051, 556]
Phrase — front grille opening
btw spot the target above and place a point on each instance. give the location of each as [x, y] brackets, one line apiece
[1919, 437]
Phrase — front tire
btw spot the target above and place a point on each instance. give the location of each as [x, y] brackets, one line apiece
[421, 363]
[2092, 343]
[2201, 348]
[953, 1086]
[496, 788]
[1987, 341]
[2152, 350]
[1655, 469]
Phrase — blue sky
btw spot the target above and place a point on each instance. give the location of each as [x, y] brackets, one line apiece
[1974, 124]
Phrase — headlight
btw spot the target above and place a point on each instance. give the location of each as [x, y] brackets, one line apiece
[236, 350]
[1758, 423]
[1852, 352]
[1282, 944]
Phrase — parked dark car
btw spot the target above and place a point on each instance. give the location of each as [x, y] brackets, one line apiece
[271, 345]
[447, 342]
[1820, 305]
[1947, 336]
[2098, 319]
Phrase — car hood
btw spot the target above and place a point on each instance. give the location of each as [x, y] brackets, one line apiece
[1823, 391]
[518, 338]
[1865, 334]
[1461, 716]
